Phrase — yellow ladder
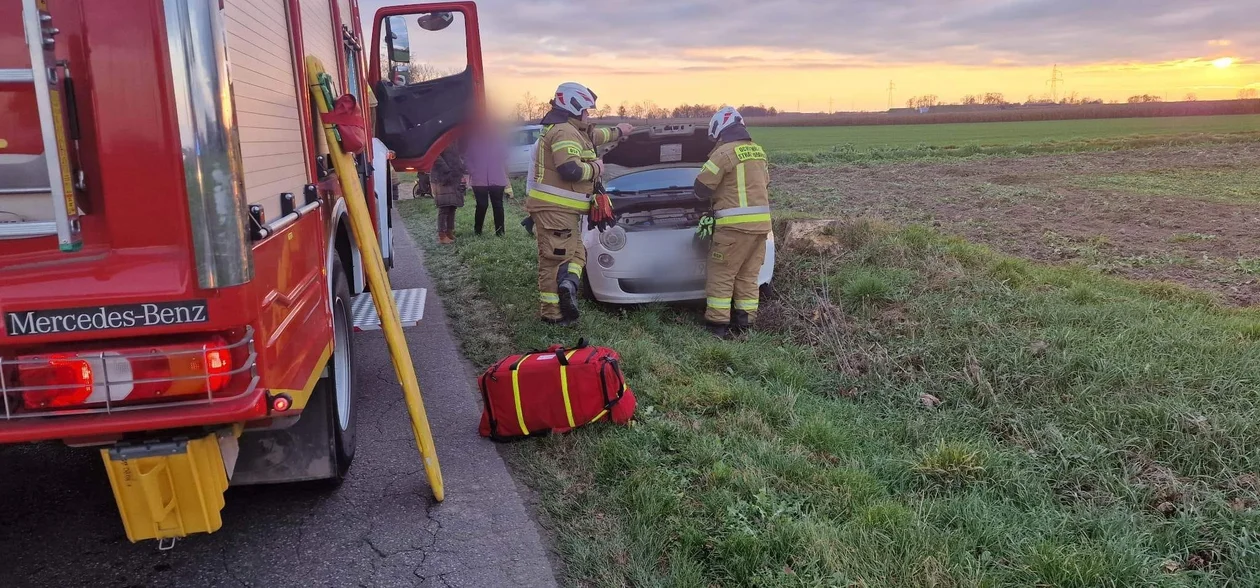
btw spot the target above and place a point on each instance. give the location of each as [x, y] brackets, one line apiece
[378, 280]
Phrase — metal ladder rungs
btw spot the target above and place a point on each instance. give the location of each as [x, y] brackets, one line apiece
[17, 76]
[27, 229]
[40, 34]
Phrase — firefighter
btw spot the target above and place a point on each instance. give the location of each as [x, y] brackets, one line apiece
[559, 189]
[736, 181]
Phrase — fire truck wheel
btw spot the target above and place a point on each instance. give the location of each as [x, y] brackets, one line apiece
[340, 380]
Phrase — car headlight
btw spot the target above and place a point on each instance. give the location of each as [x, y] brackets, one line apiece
[613, 239]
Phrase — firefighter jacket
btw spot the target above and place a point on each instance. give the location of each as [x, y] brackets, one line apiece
[737, 178]
[562, 177]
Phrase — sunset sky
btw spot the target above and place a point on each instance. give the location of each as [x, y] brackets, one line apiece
[841, 55]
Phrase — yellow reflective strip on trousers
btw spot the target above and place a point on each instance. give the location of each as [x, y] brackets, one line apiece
[719, 303]
[742, 183]
[748, 304]
[560, 200]
[549, 297]
[564, 388]
[744, 218]
[516, 395]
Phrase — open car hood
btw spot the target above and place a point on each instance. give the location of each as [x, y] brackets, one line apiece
[664, 145]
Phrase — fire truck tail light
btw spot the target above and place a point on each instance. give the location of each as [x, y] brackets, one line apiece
[218, 366]
[125, 376]
[61, 381]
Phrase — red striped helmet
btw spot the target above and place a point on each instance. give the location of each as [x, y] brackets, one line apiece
[574, 98]
[725, 118]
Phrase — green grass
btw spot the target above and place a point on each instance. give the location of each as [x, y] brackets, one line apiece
[810, 139]
[1221, 185]
[1088, 431]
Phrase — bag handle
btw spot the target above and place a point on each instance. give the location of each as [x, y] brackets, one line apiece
[561, 351]
[603, 382]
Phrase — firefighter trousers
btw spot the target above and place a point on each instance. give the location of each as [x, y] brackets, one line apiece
[735, 261]
[559, 248]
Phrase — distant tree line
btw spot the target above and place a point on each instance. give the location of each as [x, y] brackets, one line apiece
[929, 101]
[531, 108]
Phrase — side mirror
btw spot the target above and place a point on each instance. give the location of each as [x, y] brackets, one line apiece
[436, 21]
[399, 43]
[401, 74]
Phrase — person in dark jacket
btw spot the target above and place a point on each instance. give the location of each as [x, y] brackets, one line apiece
[449, 184]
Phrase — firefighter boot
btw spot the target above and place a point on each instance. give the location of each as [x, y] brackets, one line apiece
[741, 321]
[560, 322]
[719, 330]
[567, 284]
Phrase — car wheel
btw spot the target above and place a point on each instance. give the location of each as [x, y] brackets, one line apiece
[766, 291]
[339, 382]
[587, 291]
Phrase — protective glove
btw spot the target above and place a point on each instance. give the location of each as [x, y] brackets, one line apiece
[704, 231]
[601, 215]
[626, 129]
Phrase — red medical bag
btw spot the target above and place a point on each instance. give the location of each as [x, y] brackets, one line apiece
[346, 115]
[553, 391]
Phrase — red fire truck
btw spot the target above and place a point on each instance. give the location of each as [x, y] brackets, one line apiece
[178, 281]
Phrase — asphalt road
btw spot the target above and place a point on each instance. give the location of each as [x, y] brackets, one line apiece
[59, 526]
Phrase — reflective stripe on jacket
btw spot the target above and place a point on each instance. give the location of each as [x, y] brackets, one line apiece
[561, 143]
[739, 176]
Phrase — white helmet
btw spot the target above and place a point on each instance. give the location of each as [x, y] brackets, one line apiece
[725, 118]
[574, 98]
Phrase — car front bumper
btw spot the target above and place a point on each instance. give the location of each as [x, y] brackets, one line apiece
[653, 266]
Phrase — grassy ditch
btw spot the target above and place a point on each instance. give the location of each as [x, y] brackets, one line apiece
[916, 411]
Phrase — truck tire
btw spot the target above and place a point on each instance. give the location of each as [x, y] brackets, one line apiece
[340, 383]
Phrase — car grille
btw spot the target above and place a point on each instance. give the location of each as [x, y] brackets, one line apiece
[647, 286]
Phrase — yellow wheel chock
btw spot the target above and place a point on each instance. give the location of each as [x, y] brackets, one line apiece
[170, 489]
[378, 280]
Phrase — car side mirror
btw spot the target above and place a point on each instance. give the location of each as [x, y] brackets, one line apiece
[399, 42]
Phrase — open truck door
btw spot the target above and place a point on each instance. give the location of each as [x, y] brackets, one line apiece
[426, 73]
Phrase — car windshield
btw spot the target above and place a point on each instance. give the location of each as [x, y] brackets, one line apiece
[675, 178]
